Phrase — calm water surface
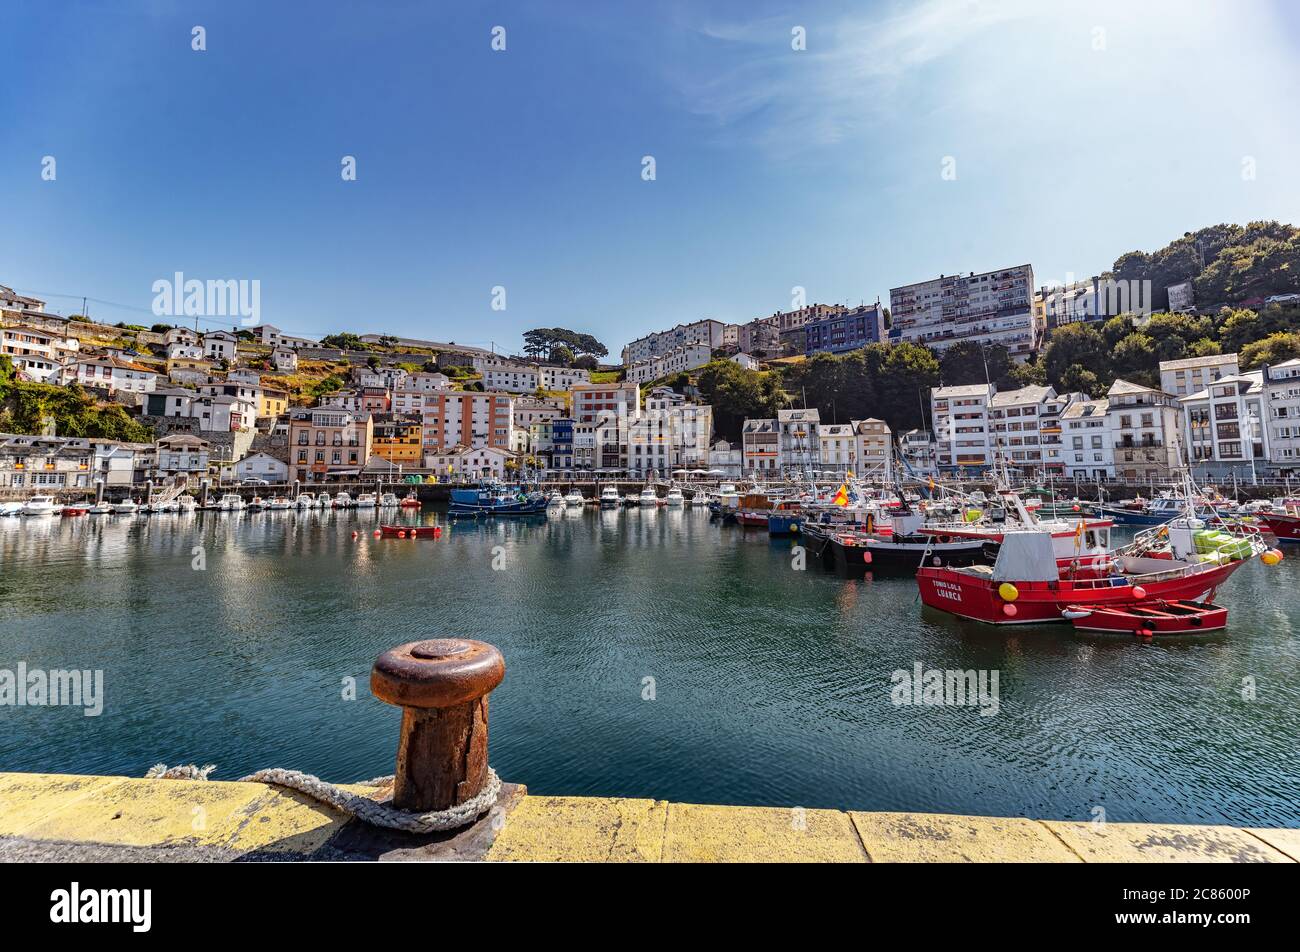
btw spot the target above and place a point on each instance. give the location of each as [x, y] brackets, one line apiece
[772, 685]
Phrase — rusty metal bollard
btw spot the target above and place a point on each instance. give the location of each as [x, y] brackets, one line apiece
[442, 687]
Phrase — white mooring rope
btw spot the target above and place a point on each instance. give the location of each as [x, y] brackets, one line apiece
[374, 812]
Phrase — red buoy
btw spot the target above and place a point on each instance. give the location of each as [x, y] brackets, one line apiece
[1139, 591]
[378, 533]
[401, 533]
[1009, 610]
[866, 557]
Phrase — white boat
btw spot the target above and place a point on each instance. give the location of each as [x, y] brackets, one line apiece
[555, 500]
[11, 508]
[609, 498]
[127, 507]
[39, 506]
[343, 501]
[675, 497]
[186, 504]
[631, 499]
[256, 504]
[231, 502]
[323, 501]
[305, 501]
[648, 497]
[279, 502]
[388, 499]
[171, 506]
[100, 509]
[575, 500]
[366, 501]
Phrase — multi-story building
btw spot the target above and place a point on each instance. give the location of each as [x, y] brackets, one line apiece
[180, 454]
[183, 351]
[1062, 304]
[726, 459]
[800, 448]
[247, 389]
[995, 307]
[671, 433]
[325, 441]
[530, 410]
[962, 433]
[687, 357]
[760, 445]
[224, 413]
[469, 463]
[562, 378]
[1015, 417]
[220, 345]
[273, 403]
[594, 400]
[399, 439]
[187, 370]
[107, 373]
[37, 354]
[844, 330]
[512, 378]
[1088, 444]
[1282, 386]
[262, 466]
[706, 332]
[1224, 427]
[761, 336]
[285, 360]
[410, 394]
[168, 402]
[872, 448]
[1194, 374]
[1146, 425]
[836, 447]
[52, 462]
[454, 418]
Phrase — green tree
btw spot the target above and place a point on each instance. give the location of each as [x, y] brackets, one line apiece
[1273, 349]
[1080, 344]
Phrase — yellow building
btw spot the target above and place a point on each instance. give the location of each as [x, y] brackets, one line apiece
[273, 403]
[398, 440]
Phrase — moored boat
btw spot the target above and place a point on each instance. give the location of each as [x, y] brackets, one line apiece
[343, 500]
[305, 501]
[388, 500]
[100, 509]
[495, 499]
[127, 507]
[674, 497]
[410, 501]
[1145, 619]
[410, 532]
[231, 502]
[1285, 524]
[366, 501]
[39, 506]
[609, 498]
[574, 499]
[648, 497]
[76, 509]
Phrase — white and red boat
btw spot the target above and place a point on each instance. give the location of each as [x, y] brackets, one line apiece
[1149, 618]
[1285, 525]
[1079, 545]
[1025, 586]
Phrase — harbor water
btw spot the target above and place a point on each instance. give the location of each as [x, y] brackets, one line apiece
[649, 654]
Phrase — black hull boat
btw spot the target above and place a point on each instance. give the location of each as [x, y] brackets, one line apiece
[849, 552]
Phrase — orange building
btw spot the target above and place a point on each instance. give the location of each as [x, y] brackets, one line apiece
[327, 441]
[399, 439]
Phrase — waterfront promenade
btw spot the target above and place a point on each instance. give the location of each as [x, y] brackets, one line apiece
[66, 817]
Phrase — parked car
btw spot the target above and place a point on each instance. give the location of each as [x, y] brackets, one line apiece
[254, 481]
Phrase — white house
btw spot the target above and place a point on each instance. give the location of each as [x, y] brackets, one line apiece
[1224, 427]
[746, 361]
[180, 350]
[35, 353]
[562, 378]
[108, 373]
[800, 447]
[182, 335]
[284, 359]
[181, 454]
[961, 427]
[1088, 444]
[835, 447]
[1282, 383]
[468, 463]
[220, 345]
[262, 466]
[224, 414]
[512, 378]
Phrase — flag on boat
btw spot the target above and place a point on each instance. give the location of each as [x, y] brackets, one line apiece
[841, 495]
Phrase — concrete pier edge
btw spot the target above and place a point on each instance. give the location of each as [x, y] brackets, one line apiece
[88, 818]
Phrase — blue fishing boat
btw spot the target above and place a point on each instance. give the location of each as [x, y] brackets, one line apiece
[1155, 513]
[495, 499]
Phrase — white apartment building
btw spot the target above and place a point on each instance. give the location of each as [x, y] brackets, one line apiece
[1282, 390]
[670, 434]
[108, 373]
[220, 345]
[872, 447]
[687, 357]
[530, 410]
[836, 447]
[800, 448]
[454, 418]
[511, 378]
[706, 332]
[760, 445]
[962, 431]
[222, 413]
[180, 454]
[995, 307]
[1088, 441]
[562, 378]
[1017, 418]
[1224, 427]
[35, 353]
[726, 459]
[1194, 374]
[1147, 428]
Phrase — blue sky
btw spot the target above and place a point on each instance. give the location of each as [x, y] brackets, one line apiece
[1079, 131]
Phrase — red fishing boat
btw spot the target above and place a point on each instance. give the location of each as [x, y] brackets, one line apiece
[1149, 618]
[1025, 586]
[410, 501]
[1284, 525]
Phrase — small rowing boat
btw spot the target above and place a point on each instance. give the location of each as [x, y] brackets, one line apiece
[411, 532]
[1146, 619]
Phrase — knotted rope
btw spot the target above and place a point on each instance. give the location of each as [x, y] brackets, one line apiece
[374, 812]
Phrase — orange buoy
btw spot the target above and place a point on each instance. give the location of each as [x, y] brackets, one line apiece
[401, 533]
[378, 533]
[866, 557]
[354, 533]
